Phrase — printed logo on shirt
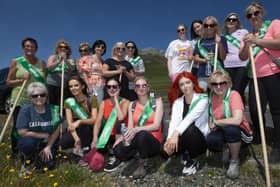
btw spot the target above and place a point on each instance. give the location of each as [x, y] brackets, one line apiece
[184, 52]
[39, 124]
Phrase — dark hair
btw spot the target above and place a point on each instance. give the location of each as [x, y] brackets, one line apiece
[32, 40]
[98, 43]
[193, 34]
[114, 78]
[135, 54]
[81, 81]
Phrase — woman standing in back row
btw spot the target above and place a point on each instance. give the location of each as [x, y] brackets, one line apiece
[265, 35]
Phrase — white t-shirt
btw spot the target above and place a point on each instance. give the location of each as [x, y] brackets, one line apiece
[232, 59]
[180, 51]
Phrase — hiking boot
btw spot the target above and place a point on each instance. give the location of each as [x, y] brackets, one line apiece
[274, 156]
[25, 171]
[191, 167]
[141, 171]
[113, 164]
[233, 169]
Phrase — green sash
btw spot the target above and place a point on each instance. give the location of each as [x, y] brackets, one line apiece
[226, 107]
[194, 103]
[146, 113]
[31, 69]
[76, 109]
[204, 54]
[106, 132]
[234, 41]
[135, 60]
[256, 49]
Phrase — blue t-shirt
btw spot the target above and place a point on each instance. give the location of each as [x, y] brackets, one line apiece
[209, 45]
[30, 119]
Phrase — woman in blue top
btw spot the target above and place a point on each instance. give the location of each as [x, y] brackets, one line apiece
[205, 49]
[37, 129]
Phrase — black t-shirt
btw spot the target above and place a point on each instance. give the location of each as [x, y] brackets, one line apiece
[113, 64]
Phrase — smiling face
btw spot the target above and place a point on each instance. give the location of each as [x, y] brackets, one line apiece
[232, 23]
[29, 48]
[255, 16]
[75, 87]
[197, 27]
[38, 97]
[210, 27]
[141, 87]
[130, 49]
[186, 86]
[181, 30]
[113, 88]
[219, 85]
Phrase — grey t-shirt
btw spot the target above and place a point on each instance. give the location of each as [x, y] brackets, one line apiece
[30, 119]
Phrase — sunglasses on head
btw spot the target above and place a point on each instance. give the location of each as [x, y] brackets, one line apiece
[231, 19]
[112, 86]
[250, 15]
[38, 95]
[141, 85]
[212, 25]
[219, 83]
[181, 30]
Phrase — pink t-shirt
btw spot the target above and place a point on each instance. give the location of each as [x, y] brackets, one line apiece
[235, 103]
[264, 65]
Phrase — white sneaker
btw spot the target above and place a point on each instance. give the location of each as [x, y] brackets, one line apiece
[191, 169]
[233, 169]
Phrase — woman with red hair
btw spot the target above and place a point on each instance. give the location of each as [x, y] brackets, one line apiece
[189, 121]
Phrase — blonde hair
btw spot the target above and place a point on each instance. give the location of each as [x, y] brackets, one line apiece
[222, 74]
[62, 41]
[256, 5]
[117, 44]
[217, 27]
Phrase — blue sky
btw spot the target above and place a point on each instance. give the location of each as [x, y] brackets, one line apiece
[151, 23]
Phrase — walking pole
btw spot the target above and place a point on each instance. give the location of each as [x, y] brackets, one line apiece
[216, 56]
[266, 166]
[190, 69]
[12, 110]
[61, 99]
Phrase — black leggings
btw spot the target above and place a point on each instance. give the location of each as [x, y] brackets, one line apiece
[191, 141]
[269, 89]
[85, 134]
[14, 140]
[144, 143]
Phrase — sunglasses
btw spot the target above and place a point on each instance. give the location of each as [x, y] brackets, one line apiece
[83, 50]
[250, 15]
[231, 19]
[100, 46]
[130, 47]
[120, 49]
[112, 86]
[180, 30]
[141, 85]
[219, 83]
[63, 47]
[212, 25]
[38, 95]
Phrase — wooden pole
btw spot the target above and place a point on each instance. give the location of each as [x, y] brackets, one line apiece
[216, 56]
[191, 66]
[12, 110]
[61, 99]
[266, 166]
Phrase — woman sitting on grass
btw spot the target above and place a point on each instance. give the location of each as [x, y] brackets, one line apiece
[113, 111]
[37, 130]
[189, 121]
[228, 122]
[144, 129]
[81, 113]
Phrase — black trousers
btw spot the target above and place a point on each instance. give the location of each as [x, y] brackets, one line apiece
[192, 141]
[85, 134]
[269, 89]
[143, 143]
[14, 140]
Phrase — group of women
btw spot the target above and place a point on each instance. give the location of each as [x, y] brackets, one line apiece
[108, 105]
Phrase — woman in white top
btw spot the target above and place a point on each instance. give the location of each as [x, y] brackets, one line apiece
[179, 53]
[189, 121]
[236, 68]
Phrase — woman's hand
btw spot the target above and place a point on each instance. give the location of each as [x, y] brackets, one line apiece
[171, 144]
[46, 154]
[130, 133]
[212, 126]
[218, 38]
[72, 126]
[250, 39]
[93, 143]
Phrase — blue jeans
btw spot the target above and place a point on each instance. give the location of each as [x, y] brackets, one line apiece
[228, 134]
[30, 147]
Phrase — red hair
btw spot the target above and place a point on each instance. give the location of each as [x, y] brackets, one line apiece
[174, 91]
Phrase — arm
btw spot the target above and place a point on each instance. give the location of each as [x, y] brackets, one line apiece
[200, 60]
[11, 78]
[97, 125]
[130, 74]
[140, 68]
[236, 119]
[53, 62]
[121, 109]
[169, 66]
[25, 133]
[221, 48]
[109, 73]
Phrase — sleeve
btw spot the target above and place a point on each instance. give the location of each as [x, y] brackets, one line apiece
[176, 116]
[140, 66]
[169, 51]
[23, 117]
[192, 116]
[275, 27]
[93, 102]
